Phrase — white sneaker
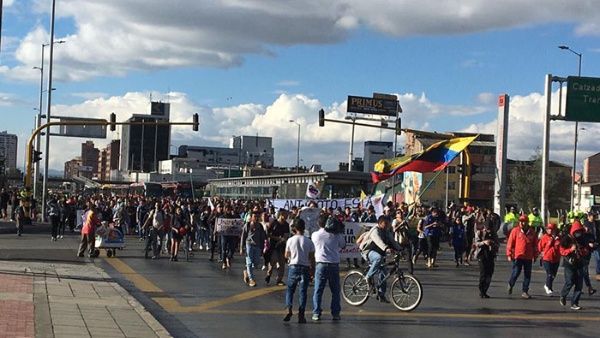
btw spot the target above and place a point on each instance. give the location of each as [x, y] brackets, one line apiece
[548, 291]
[61, 237]
[200, 247]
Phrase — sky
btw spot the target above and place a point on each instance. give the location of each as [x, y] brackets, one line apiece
[248, 67]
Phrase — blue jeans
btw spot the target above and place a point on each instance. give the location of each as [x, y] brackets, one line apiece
[551, 270]
[376, 267]
[203, 237]
[573, 277]
[297, 274]
[327, 272]
[518, 265]
[253, 254]
[597, 257]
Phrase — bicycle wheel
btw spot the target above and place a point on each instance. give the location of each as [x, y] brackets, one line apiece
[355, 289]
[406, 293]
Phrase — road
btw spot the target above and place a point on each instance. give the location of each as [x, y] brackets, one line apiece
[198, 299]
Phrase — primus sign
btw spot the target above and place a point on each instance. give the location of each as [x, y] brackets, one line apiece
[583, 99]
[370, 105]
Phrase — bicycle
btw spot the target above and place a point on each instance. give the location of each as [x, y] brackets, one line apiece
[406, 292]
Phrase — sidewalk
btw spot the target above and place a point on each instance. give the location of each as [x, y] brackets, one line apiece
[68, 300]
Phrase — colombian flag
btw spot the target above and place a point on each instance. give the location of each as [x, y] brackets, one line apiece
[434, 158]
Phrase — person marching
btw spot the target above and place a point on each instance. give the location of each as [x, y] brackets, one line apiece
[253, 240]
[486, 249]
[573, 249]
[521, 250]
[300, 253]
[549, 248]
[458, 241]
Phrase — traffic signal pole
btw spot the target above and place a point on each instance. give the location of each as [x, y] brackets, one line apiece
[29, 147]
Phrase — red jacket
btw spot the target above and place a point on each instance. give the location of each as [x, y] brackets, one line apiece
[549, 248]
[90, 223]
[522, 245]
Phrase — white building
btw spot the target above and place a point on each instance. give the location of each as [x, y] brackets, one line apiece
[8, 151]
[375, 151]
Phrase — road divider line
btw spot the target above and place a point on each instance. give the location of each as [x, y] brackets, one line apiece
[421, 315]
[140, 282]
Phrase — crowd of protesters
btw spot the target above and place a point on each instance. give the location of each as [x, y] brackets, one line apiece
[270, 239]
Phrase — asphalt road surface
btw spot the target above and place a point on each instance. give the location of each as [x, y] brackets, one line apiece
[198, 299]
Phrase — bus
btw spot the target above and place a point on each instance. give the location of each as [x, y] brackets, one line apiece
[177, 189]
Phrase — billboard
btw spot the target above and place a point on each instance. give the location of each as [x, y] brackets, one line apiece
[374, 106]
[87, 131]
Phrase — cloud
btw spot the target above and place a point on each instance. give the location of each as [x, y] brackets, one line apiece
[115, 37]
[327, 145]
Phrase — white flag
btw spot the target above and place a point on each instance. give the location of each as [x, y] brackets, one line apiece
[312, 190]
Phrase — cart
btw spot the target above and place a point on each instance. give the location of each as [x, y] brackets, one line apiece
[110, 239]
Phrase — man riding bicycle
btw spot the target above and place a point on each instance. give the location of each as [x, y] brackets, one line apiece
[374, 246]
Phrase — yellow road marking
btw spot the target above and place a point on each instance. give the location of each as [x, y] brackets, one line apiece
[498, 316]
[172, 305]
[140, 282]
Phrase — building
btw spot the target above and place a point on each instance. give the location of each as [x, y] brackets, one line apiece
[210, 156]
[244, 151]
[143, 146]
[72, 168]
[254, 149]
[375, 151]
[8, 152]
[89, 160]
[333, 184]
[591, 169]
[108, 160]
[478, 189]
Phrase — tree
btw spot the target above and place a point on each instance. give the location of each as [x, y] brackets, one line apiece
[526, 182]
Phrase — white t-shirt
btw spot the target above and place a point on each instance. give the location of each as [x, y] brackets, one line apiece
[299, 248]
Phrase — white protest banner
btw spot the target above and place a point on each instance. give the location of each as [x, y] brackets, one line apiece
[287, 204]
[376, 201]
[353, 231]
[229, 226]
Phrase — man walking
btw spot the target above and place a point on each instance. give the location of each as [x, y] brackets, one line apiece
[327, 256]
[521, 250]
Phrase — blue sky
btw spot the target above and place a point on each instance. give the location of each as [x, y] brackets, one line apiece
[248, 66]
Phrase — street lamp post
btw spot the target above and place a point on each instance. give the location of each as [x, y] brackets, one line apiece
[297, 148]
[48, 111]
[576, 128]
[39, 115]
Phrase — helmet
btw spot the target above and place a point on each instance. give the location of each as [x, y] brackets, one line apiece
[523, 219]
[551, 226]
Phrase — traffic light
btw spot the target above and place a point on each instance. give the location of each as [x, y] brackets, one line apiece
[195, 125]
[113, 120]
[321, 118]
[398, 126]
[37, 155]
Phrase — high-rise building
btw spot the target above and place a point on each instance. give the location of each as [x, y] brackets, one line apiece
[8, 152]
[375, 151]
[143, 146]
[89, 159]
[108, 160]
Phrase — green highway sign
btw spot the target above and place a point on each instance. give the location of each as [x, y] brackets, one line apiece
[583, 99]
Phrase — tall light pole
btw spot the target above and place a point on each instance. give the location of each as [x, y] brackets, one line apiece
[576, 127]
[48, 111]
[39, 115]
[297, 148]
